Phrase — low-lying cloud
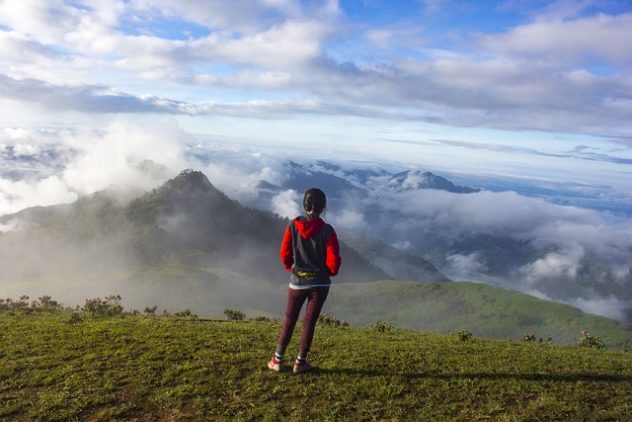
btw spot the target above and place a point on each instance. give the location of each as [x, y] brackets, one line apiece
[124, 156]
[560, 239]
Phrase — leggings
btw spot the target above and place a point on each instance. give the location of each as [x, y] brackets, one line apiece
[316, 297]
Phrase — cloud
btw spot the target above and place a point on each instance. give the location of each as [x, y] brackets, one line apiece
[285, 204]
[624, 142]
[580, 152]
[567, 41]
[242, 15]
[87, 99]
[611, 307]
[15, 196]
[555, 265]
[536, 76]
[463, 267]
[125, 156]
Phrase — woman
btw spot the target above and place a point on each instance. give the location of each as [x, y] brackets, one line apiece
[310, 252]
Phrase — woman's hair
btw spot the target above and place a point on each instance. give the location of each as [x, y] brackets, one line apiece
[314, 201]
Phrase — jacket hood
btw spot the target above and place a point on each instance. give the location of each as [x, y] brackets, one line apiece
[308, 228]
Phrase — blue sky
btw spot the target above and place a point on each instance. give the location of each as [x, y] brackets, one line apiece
[537, 89]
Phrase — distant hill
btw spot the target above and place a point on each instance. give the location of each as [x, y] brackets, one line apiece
[484, 310]
[415, 179]
[399, 264]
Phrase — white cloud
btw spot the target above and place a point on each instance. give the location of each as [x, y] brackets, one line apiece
[285, 204]
[463, 267]
[25, 149]
[17, 133]
[610, 307]
[348, 218]
[533, 76]
[569, 42]
[114, 159]
[555, 265]
[15, 196]
[125, 156]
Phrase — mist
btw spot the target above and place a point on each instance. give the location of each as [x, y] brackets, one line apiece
[558, 248]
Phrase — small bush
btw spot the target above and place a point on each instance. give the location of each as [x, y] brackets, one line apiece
[331, 320]
[186, 314]
[75, 318]
[627, 346]
[10, 304]
[593, 342]
[531, 338]
[44, 304]
[234, 315]
[261, 318]
[47, 303]
[382, 326]
[150, 310]
[110, 306]
[465, 335]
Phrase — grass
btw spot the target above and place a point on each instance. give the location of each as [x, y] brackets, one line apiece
[165, 368]
[486, 311]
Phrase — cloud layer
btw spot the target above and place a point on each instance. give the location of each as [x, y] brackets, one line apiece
[555, 71]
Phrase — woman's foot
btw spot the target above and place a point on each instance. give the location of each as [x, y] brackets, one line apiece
[274, 364]
[300, 367]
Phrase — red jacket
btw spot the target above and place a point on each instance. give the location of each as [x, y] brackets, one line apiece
[308, 229]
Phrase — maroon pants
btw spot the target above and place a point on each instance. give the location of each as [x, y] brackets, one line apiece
[315, 297]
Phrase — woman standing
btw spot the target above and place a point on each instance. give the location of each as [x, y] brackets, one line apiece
[310, 252]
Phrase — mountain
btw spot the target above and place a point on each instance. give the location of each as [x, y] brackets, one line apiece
[399, 264]
[415, 179]
[339, 182]
[186, 221]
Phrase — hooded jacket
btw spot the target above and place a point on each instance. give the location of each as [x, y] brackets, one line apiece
[310, 251]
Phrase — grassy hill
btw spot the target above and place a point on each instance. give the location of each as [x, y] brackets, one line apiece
[484, 310]
[167, 368]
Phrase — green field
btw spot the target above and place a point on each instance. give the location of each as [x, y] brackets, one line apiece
[167, 368]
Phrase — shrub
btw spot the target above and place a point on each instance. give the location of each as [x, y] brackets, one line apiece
[588, 340]
[10, 304]
[47, 303]
[186, 314]
[531, 338]
[110, 306]
[465, 335]
[327, 319]
[75, 318]
[150, 310]
[627, 346]
[261, 318]
[234, 315]
[382, 326]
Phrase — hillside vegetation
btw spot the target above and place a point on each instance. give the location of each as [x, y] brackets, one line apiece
[484, 310]
[56, 366]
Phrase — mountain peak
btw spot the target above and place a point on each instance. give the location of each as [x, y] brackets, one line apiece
[190, 181]
[417, 179]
